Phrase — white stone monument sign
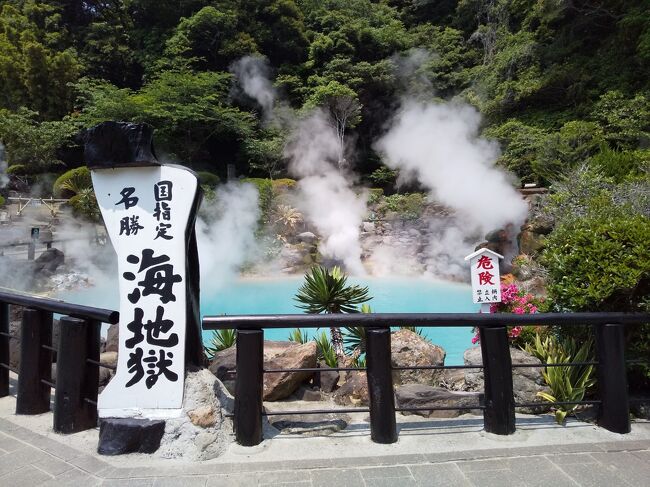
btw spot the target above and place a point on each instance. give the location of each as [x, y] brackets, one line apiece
[486, 279]
[147, 209]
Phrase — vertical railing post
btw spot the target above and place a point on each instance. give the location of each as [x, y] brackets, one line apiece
[383, 428]
[4, 349]
[35, 363]
[249, 387]
[499, 413]
[614, 414]
[71, 411]
[90, 386]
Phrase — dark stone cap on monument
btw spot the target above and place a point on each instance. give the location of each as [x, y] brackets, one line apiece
[119, 144]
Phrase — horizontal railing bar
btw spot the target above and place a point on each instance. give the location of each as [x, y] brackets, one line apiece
[8, 335]
[99, 364]
[8, 367]
[439, 408]
[436, 367]
[637, 361]
[314, 369]
[90, 401]
[568, 364]
[48, 383]
[58, 306]
[49, 347]
[557, 403]
[316, 411]
[639, 399]
[379, 320]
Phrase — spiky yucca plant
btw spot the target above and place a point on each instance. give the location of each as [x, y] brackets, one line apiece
[327, 291]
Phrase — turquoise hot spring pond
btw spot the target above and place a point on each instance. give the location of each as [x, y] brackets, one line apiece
[275, 296]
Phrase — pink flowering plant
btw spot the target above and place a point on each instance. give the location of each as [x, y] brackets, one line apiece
[517, 301]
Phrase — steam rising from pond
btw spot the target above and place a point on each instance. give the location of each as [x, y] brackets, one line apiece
[225, 232]
[325, 194]
[253, 78]
[438, 145]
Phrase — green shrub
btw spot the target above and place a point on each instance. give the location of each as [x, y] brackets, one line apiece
[2, 200]
[18, 170]
[283, 185]
[375, 195]
[599, 263]
[72, 182]
[266, 196]
[408, 206]
[208, 179]
[567, 383]
[620, 165]
[384, 177]
[84, 205]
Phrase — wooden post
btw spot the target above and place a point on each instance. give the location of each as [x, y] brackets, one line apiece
[90, 385]
[499, 413]
[249, 387]
[383, 428]
[4, 349]
[614, 414]
[35, 363]
[71, 412]
[31, 250]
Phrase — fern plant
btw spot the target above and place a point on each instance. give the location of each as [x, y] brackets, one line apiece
[567, 383]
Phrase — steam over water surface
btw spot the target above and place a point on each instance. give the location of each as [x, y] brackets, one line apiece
[275, 296]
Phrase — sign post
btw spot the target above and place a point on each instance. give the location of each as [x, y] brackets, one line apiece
[499, 412]
[486, 279]
[149, 210]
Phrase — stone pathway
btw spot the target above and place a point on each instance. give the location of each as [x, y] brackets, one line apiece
[28, 458]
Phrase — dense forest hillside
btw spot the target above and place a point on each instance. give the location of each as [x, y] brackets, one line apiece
[559, 82]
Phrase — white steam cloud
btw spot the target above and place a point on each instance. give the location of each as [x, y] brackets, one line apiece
[326, 195]
[439, 145]
[252, 74]
[225, 232]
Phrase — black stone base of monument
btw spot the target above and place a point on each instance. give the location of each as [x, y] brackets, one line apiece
[118, 436]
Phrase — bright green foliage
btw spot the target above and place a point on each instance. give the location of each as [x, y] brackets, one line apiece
[625, 120]
[72, 182]
[409, 205]
[299, 336]
[208, 179]
[621, 165]
[2, 200]
[567, 383]
[327, 291]
[597, 258]
[325, 350]
[31, 143]
[84, 205]
[220, 340]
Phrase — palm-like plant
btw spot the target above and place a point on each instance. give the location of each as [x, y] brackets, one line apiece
[220, 340]
[327, 291]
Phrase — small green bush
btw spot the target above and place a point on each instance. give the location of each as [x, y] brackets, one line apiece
[18, 170]
[207, 178]
[220, 340]
[266, 196]
[283, 185]
[72, 182]
[408, 206]
[84, 205]
[2, 200]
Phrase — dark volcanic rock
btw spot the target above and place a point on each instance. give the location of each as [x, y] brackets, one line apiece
[118, 436]
[354, 391]
[419, 395]
[48, 261]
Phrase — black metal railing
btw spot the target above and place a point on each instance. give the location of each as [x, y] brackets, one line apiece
[498, 403]
[77, 359]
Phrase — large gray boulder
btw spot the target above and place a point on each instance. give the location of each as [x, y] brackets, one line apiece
[526, 381]
[409, 349]
[113, 339]
[419, 395]
[202, 431]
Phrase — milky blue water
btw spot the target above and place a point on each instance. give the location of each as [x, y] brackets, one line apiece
[271, 296]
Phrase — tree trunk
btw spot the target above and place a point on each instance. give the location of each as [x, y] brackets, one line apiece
[337, 342]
